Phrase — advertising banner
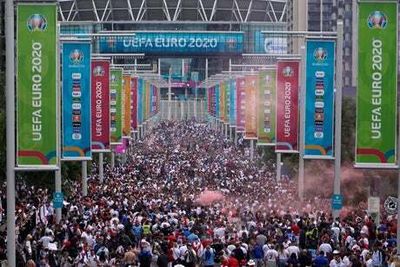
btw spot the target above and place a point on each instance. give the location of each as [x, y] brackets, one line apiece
[140, 101]
[116, 106]
[37, 93]
[227, 100]
[76, 124]
[211, 101]
[217, 101]
[376, 134]
[320, 66]
[100, 106]
[240, 104]
[232, 102]
[222, 100]
[126, 106]
[134, 122]
[287, 103]
[266, 95]
[176, 43]
[251, 87]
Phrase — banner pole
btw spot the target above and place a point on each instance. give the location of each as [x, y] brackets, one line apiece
[236, 137]
[278, 166]
[84, 178]
[10, 126]
[338, 112]
[230, 133]
[101, 167]
[169, 94]
[302, 121]
[58, 189]
[251, 149]
[182, 111]
[112, 160]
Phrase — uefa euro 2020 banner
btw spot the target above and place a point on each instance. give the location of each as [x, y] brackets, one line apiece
[266, 95]
[251, 87]
[217, 101]
[76, 138]
[100, 106]
[240, 104]
[37, 93]
[126, 107]
[320, 63]
[377, 84]
[134, 109]
[287, 103]
[116, 106]
[232, 102]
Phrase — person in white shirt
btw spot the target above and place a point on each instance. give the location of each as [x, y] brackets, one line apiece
[337, 260]
[45, 240]
[271, 257]
[293, 249]
[326, 248]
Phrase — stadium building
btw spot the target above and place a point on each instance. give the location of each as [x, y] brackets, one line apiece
[187, 40]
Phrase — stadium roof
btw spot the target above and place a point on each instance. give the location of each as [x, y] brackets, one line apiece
[137, 11]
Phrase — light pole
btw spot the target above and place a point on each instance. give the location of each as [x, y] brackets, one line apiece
[10, 126]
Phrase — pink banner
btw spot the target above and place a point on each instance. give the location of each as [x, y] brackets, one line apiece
[287, 106]
[100, 106]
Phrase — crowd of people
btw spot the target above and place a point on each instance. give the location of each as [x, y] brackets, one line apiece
[158, 209]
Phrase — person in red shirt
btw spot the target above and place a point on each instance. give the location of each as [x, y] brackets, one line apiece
[231, 261]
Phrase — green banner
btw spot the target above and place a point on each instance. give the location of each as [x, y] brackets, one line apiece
[377, 85]
[37, 105]
[266, 107]
[116, 106]
[224, 85]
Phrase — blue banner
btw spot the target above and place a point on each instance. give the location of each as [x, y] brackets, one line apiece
[217, 101]
[320, 68]
[140, 100]
[76, 137]
[174, 43]
[232, 102]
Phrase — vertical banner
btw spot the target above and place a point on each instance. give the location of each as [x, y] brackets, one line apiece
[251, 87]
[37, 93]
[217, 101]
[287, 104]
[320, 65]
[266, 95]
[116, 106]
[232, 102]
[376, 137]
[126, 106]
[76, 125]
[222, 103]
[227, 100]
[240, 104]
[140, 102]
[134, 122]
[100, 106]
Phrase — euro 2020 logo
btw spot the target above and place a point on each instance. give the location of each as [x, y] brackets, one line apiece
[377, 20]
[287, 71]
[98, 71]
[76, 57]
[320, 54]
[36, 22]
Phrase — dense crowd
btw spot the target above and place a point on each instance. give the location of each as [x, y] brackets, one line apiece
[188, 196]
